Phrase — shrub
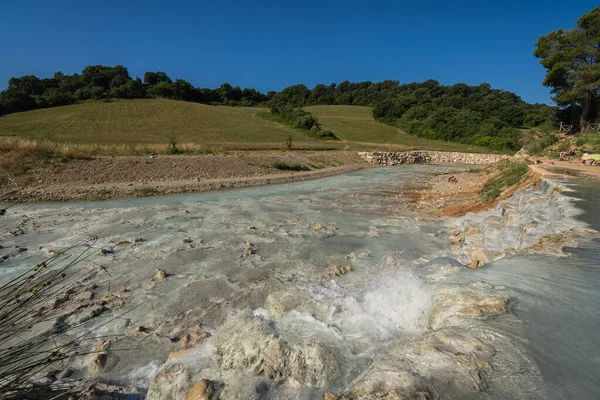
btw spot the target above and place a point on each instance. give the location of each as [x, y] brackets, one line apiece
[536, 148]
[290, 166]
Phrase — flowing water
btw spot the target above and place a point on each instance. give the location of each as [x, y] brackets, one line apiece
[272, 251]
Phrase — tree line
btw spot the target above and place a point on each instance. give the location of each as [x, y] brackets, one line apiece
[572, 60]
[477, 115]
[98, 82]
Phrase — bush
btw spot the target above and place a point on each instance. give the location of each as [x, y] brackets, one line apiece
[536, 148]
[290, 167]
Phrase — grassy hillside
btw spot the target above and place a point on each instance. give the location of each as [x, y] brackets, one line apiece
[136, 126]
[145, 121]
[356, 124]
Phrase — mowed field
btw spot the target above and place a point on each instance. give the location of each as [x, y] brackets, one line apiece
[147, 121]
[356, 124]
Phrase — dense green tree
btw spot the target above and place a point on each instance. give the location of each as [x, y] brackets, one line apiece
[572, 58]
[154, 78]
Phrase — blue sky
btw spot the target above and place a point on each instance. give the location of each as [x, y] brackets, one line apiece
[269, 45]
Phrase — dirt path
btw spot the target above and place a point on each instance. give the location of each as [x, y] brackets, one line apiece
[111, 177]
[574, 166]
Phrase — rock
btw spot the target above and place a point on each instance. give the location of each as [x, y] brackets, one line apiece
[159, 275]
[98, 363]
[454, 305]
[251, 228]
[279, 304]
[140, 329]
[202, 390]
[250, 345]
[480, 258]
[473, 231]
[331, 396]
[337, 270]
[177, 355]
[457, 238]
[488, 307]
[171, 383]
[193, 338]
[186, 241]
[450, 361]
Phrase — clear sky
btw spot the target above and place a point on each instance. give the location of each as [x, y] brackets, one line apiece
[272, 44]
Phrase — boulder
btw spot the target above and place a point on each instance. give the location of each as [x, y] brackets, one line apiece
[448, 361]
[202, 390]
[456, 304]
[250, 345]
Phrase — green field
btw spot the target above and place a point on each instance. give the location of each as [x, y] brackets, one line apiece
[143, 122]
[356, 124]
[155, 121]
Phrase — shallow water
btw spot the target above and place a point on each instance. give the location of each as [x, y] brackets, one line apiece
[557, 301]
[249, 243]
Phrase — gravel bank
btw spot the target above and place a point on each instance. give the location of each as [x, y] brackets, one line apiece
[124, 176]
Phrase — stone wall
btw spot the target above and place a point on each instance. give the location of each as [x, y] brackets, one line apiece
[429, 157]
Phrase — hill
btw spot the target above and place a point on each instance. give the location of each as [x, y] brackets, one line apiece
[143, 122]
[356, 124]
[146, 121]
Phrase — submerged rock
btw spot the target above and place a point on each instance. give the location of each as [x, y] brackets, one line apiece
[447, 361]
[280, 303]
[251, 345]
[453, 304]
[171, 383]
[479, 258]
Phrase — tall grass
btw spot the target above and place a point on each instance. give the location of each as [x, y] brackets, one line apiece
[34, 337]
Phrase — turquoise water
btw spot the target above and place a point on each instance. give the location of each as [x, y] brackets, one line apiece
[557, 301]
[228, 251]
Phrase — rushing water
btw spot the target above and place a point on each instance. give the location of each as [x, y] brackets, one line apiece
[232, 250]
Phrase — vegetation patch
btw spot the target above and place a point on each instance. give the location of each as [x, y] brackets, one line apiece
[284, 166]
[145, 191]
[537, 147]
[590, 141]
[299, 119]
[505, 175]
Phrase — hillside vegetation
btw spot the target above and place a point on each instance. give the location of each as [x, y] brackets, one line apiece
[151, 125]
[356, 124]
[472, 115]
